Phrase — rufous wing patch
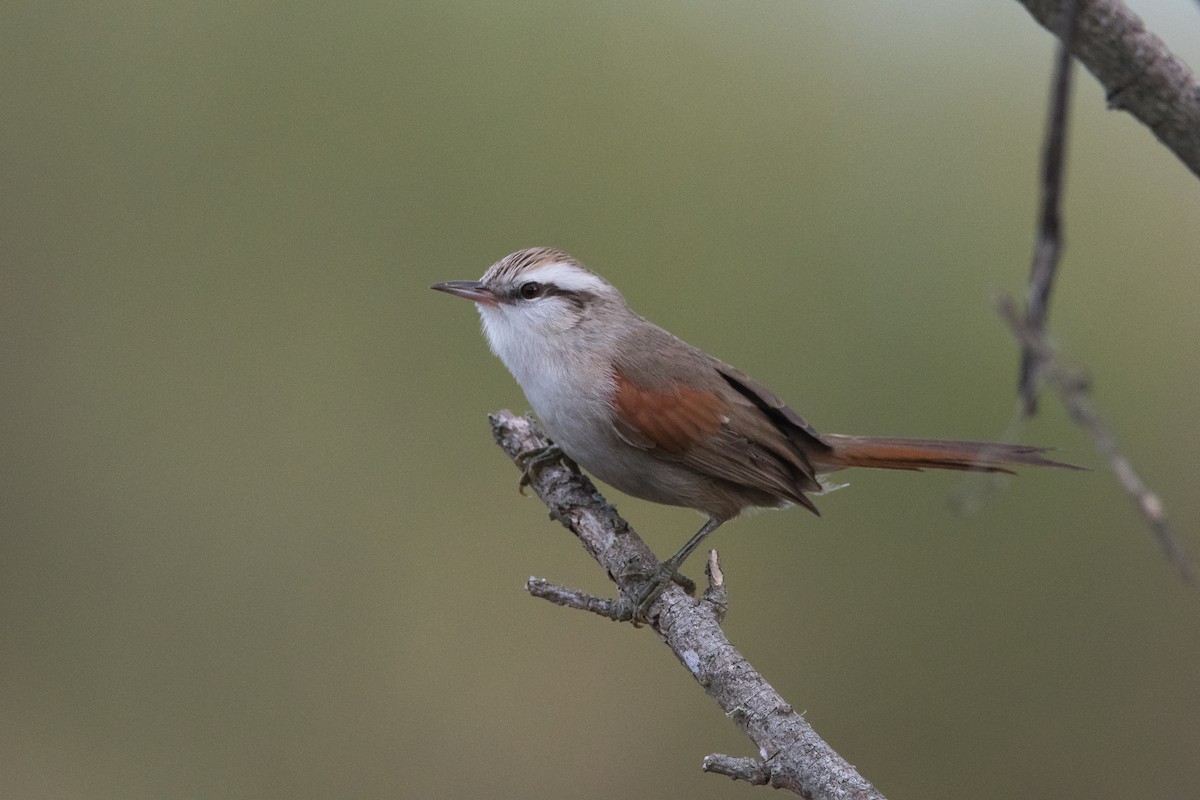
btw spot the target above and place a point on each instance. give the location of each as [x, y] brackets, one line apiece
[672, 419]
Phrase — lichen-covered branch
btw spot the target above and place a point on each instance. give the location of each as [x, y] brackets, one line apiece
[1139, 74]
[794, 757]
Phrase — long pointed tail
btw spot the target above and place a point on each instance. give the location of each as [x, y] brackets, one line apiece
[885, 452]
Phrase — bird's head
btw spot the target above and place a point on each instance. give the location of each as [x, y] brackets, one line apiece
[540, 299]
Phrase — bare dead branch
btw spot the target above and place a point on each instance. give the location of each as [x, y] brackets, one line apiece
[794, 756]
[1049, 236]
[1073, 389]
[750, 770]
[1139, 74]
[1038, 361]
[573, 598]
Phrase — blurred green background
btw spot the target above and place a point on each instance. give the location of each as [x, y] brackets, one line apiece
[256, 540]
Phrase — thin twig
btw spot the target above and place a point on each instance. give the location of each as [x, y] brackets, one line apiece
[1073, 389]
[573, 598]
[1038, 361]
[796, 758]
[750, 770]
[1049, 236]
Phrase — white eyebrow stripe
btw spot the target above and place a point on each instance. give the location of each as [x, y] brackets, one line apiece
[566, 276]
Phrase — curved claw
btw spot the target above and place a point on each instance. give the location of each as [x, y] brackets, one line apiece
[646, 595]
[532, 460]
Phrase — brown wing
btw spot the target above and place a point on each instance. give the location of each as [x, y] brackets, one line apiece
[693, 409]
[783, 416]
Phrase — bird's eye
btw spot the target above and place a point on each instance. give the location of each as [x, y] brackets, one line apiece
[530, 290]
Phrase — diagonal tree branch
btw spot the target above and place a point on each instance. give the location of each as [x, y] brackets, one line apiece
[1139, 74]
[794, 757]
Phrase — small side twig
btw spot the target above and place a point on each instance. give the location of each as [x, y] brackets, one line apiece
[573, 598]
[716, 595]
[750, 770]
[799, 760]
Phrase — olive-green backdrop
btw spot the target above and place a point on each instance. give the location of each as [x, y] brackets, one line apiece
[255, 540]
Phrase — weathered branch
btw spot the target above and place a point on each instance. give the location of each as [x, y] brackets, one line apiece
[794, 757]
[1139, 74]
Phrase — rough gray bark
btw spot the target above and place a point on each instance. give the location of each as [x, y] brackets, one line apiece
[794, 757]
[1139, 74]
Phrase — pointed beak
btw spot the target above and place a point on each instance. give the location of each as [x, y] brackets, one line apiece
[470, 290]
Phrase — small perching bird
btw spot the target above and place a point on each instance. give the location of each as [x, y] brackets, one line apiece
[658, 419]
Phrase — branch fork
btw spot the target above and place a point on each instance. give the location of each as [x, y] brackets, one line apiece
[795, 757]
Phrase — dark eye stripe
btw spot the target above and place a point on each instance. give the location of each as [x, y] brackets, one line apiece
[577, 298]
[531, 290]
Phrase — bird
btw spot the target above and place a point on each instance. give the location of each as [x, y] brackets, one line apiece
[661, 420]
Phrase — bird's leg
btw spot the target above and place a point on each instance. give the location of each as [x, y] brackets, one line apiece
[538, 458]
[648, 592]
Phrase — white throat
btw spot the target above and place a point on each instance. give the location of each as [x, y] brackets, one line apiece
[544, 357]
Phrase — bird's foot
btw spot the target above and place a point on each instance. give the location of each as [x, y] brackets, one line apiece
[637, 605]
[532, 460]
